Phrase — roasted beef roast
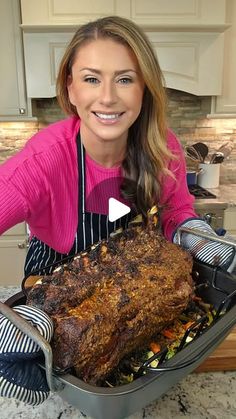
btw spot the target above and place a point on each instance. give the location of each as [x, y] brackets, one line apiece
[112, 299]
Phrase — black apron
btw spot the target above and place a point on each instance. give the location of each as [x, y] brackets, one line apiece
[42, 259]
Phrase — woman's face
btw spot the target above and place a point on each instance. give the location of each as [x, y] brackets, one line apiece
[106, 88]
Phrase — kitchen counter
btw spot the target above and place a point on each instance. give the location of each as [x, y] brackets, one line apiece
[225, 197]
[199, 395]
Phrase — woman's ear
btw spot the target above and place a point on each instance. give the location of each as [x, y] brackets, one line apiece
[70, 89]
[69, 80]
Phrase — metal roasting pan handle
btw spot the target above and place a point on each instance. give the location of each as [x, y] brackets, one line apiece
[33, 334]
[199, 233]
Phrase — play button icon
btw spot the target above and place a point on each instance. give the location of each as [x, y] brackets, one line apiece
[116, 209]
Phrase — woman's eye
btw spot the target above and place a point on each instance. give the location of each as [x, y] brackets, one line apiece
[92, 80]
[125, 80]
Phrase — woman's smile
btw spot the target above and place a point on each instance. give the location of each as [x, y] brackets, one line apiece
[108, 118]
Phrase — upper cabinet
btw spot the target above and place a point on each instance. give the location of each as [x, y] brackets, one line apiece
[184, 14]
[188, 36]
[70, 12]
[225, 104]
[154, 13]
[12, 98]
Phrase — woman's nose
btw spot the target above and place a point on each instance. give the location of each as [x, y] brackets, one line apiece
[108, 93]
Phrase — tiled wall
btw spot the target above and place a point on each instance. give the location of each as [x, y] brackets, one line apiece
[187, 118]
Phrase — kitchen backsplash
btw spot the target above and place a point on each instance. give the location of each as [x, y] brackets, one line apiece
[187, 118]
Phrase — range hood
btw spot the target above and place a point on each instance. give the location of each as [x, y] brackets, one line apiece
[188, 36]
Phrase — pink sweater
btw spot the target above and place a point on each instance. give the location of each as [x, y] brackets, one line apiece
[39, 185]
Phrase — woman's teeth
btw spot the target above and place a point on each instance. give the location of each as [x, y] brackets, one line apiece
[107, 116]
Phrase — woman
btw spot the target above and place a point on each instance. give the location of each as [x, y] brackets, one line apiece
[115, 144]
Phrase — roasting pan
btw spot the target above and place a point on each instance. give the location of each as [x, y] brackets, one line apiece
[215, 286]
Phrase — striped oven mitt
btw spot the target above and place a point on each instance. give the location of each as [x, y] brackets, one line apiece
[207, 251]
[20, 375]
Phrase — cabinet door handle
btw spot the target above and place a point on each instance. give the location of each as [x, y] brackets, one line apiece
[23, 245]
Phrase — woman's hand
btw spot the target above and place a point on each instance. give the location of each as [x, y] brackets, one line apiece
[212, 252]
[20, 375]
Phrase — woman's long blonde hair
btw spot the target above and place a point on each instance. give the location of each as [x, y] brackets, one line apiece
[147, 153]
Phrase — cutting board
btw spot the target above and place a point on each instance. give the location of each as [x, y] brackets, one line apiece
[223, 358]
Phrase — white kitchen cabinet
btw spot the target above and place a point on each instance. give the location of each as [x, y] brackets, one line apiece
[12, 98]
[225, 104]
[156, 13]
[13, 249]
[230, 221]
[70, 12]
[184, 13]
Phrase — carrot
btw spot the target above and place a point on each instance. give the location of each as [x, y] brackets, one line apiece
[187, 325]
[168, 334]
[155, 347]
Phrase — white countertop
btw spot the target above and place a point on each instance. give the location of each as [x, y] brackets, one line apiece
[205, 395]
[225, 197]
[198, 395]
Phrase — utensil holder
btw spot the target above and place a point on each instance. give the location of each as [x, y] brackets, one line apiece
[209, 177]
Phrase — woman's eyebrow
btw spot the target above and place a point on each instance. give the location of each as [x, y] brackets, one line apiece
[117, 73]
